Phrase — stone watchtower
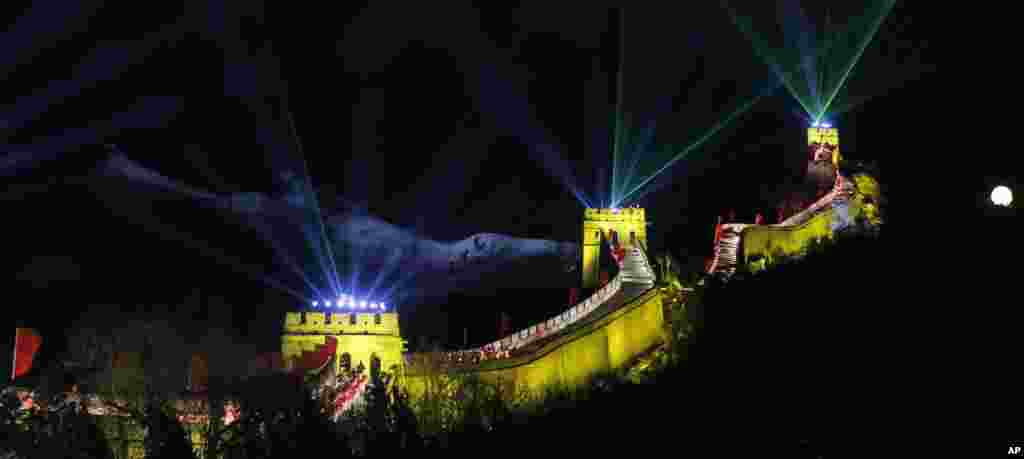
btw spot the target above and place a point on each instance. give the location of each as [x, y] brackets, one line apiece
[367, 337]
[823, 157]
[823, 143]
[626, 227]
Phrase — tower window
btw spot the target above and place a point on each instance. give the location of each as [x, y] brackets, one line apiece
[302, 317]
[329, 316]
[376, 319]
[352, 319]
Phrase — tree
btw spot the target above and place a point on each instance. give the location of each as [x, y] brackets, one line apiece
[436, 408]
[59, 429]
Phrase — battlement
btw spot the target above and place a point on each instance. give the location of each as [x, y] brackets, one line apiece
[342, 323]
[823, 135]
[628, 214]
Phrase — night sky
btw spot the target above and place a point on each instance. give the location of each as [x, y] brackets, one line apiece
[450, 120]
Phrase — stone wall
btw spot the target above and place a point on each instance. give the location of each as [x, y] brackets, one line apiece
[604, 345]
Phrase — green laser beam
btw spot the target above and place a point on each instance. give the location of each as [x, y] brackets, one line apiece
[747, 30]
[823, 92]
[714, 130]
[617, 152]
[632, 169]
[631, 172]
[629, 177]
[860, 51]
[618, 102]
[641, 150]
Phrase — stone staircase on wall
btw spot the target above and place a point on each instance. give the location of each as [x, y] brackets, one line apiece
[727, 252]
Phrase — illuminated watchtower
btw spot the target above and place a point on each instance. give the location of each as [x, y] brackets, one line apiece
[823, 158]
[365, 332]
[626, 226]
[823, 143]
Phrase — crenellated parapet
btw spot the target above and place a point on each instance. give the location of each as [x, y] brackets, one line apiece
[628, 214]
[362, 337]
[342, 322]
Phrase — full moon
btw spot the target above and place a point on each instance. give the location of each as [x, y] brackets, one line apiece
[1002, 196]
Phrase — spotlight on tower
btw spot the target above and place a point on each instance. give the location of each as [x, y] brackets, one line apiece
[316, 303]
[826, 125]
[362, 304]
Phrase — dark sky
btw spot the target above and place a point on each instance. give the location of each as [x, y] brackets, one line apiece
[448, 119]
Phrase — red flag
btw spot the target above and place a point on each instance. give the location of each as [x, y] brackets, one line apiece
[759, 220]
[573, 292]
[311, 362]
[26, 344]
[604, 278]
